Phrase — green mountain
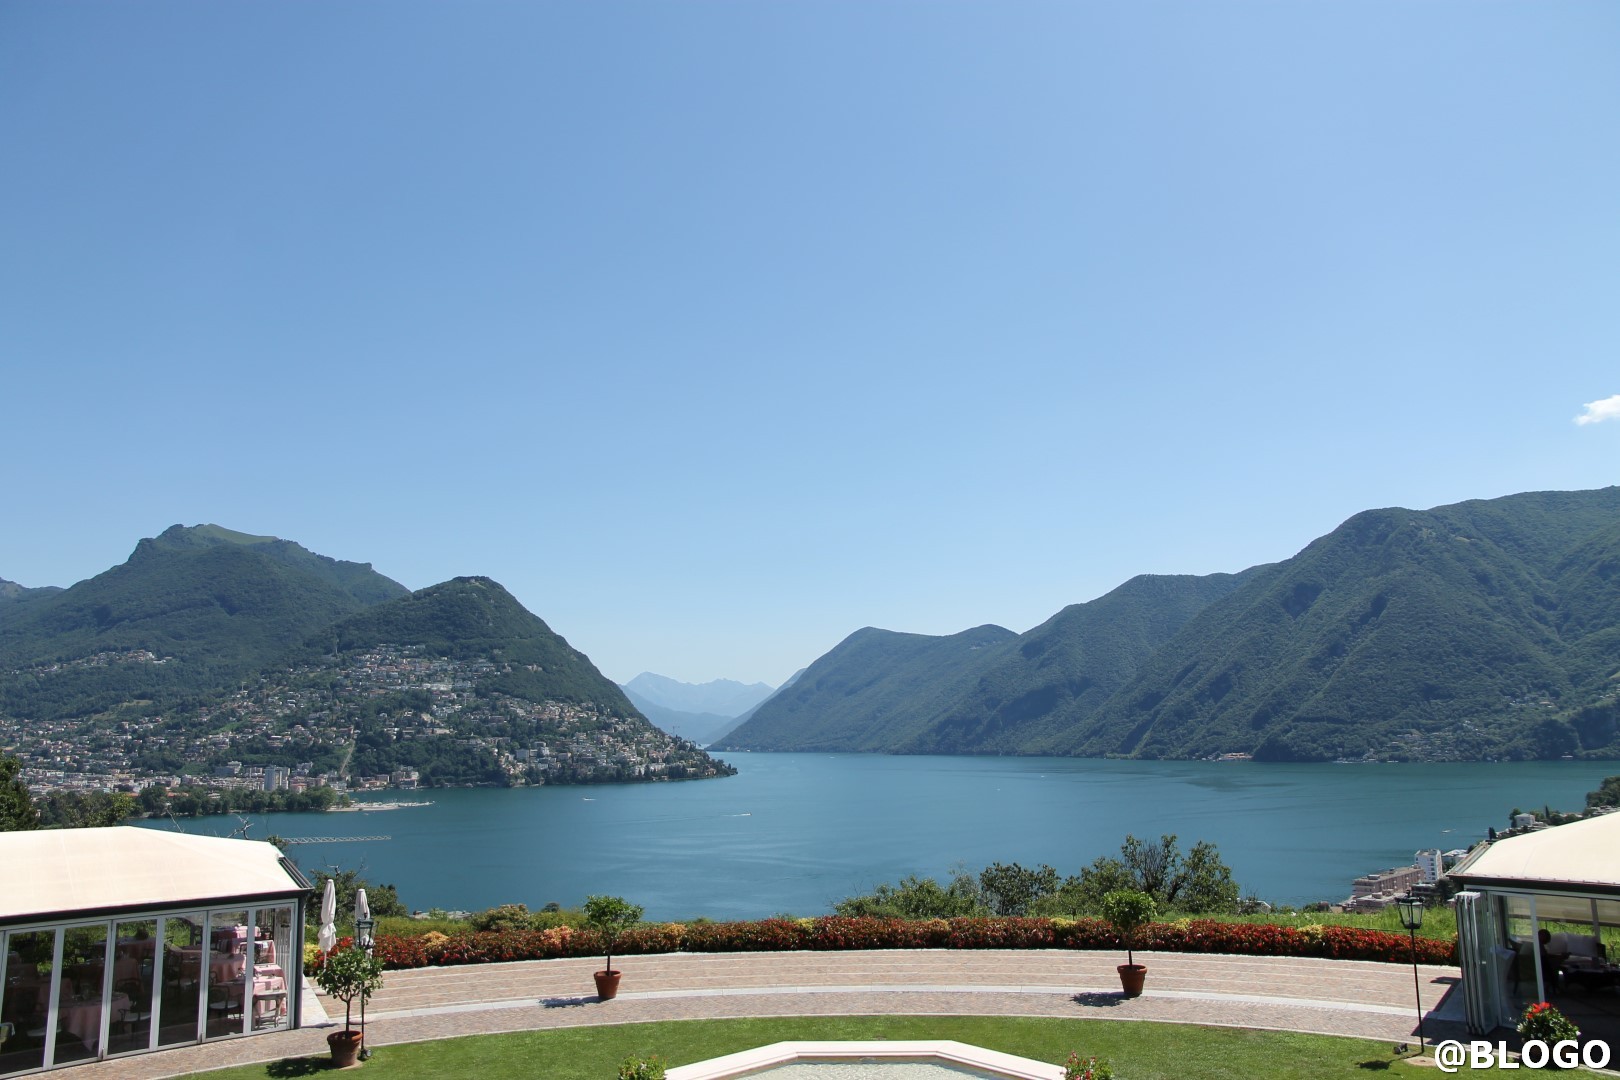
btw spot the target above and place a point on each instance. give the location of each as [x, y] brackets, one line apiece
[462, 683]
[1487, 629]
[875, 690]
[1483, 629]
[190, 611]
[211, 651]
[475, 618]
[13, 593]
[1037, 689]
[983, 691]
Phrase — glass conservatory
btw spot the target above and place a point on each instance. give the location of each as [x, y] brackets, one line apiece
[1539, 920]
[126, 940]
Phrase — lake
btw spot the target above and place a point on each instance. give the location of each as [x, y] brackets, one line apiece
[792, 833]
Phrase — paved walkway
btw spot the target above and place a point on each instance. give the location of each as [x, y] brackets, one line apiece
[1330, 997]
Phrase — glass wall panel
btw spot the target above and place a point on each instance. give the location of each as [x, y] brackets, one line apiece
[272, 947]
[182, 966]
[230, 936]
[134, 974]
[24, 999]
[81, 994]
[1523, 989]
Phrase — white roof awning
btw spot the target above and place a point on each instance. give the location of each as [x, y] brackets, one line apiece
[57, 873]
[1583, 856]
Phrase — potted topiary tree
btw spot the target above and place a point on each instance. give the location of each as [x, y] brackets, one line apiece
[348, 975]
[609, 916]
[1128, 911]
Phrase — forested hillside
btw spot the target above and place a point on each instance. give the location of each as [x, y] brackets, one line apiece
[214, 650]
[876, 690]
[1486, 629]
[190, 611]
[1483, 629]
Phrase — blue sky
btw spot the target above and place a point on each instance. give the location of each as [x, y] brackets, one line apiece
[717, 331]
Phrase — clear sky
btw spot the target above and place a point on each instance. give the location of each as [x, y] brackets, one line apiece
[716, 331]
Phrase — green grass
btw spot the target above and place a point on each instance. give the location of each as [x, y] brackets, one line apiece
[1138, 1050]
[1437, 922]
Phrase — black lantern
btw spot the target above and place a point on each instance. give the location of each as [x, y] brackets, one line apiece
[1411, 909]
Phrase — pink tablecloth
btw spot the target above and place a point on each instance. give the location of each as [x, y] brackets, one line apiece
[224, 969]
[83, 1018]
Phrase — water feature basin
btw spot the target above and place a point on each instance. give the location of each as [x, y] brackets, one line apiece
[939, 1059]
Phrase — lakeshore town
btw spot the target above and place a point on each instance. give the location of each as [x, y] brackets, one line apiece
[338, 724]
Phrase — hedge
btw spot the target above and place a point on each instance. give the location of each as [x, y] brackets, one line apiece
[836, 932]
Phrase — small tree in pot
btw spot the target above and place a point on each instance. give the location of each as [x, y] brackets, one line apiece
[1128, 911]
[348, 975]
[609, 916]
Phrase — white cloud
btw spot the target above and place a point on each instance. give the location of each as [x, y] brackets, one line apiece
[1599, 411]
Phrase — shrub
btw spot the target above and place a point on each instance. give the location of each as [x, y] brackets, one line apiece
[1083, 1068]
[642, 1068]
[1542, 1021]
[836, 932]
[505, 917]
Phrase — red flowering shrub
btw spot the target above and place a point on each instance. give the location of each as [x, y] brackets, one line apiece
[836, 932]
[762, 935]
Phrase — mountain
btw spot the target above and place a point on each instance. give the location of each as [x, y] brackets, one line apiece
[1035, 690]
[465, 685]
[13, 593]
[875, 690]
[720, 697]
[743, 718]
[701, 728]
[212, 651]
[986, 690]
[475, 618]
[189, 611]
[1482, 629]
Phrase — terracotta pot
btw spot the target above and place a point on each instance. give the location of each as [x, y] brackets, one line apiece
[345, 1045]
[1131, 977]
[607, 984]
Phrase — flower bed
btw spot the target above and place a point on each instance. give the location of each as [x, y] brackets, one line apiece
[837, 932]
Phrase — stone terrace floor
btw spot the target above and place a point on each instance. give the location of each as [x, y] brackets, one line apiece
[1330, 997]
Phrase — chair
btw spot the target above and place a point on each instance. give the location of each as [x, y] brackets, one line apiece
[225, 1001]
[140, 1005]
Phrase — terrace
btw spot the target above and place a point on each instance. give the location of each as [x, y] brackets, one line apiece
[1331, 997]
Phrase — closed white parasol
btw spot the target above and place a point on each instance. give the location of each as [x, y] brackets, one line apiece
[328, 933]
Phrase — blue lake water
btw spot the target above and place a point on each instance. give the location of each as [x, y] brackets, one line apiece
[792, 833]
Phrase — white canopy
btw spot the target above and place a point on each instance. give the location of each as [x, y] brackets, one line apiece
[1583, 856]
[55, 872]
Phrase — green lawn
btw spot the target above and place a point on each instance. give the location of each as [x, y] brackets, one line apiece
[1437, 922]
[1138, 1050]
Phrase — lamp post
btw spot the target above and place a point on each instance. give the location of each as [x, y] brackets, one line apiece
[363, 928]
[1411, 909]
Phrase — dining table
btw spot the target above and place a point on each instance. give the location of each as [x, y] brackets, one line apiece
[222, 967]
[83, 1017]
[269, 994]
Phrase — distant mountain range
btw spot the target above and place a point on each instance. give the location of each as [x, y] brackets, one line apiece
[210, 644]
[702, 712]
[1487, 629]
[722, 697]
